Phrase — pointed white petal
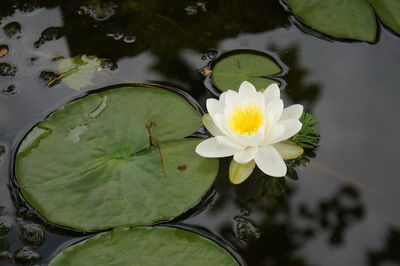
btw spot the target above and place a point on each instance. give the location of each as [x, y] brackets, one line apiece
[274, 109]
[214, 107]
[272, 92]
[210, 125]
[270, 161]
[288, 149]
[274, 133]
[292, 112]
[240, 172]
[246, 89]
[245, 155]
[291, 127]
[211, 148]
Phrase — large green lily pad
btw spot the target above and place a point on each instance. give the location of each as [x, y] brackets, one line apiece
[115, 158]
[145, 246]
[389, 12]
[230, 71]
[350, 19]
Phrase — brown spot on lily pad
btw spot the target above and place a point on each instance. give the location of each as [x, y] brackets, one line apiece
[182, 167]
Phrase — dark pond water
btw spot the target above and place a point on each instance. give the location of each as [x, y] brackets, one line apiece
[343, 210]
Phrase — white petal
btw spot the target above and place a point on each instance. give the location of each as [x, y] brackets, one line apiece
[288, 150]
[228, 142]
[292, 112]
[232, 99]
[270, 161]
[274, 133]
[240, 172]
[245, 155]
[211, 148]
[274, 109]
[214, 107]
[291, 127]
[246, 89]
[272, 92]
[210, 125]
[254, 140]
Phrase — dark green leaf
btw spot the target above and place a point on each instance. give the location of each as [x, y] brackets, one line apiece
[350, 19]
[389, 12]
[115, 158]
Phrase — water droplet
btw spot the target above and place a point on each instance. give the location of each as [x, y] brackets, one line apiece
[99, 12]
[74, 134]
[7, 70]
[191, 10]
[48, 76]
[6, 256]
[108, 65]
[12, 29]
[9, 91]
[129, 38]
[32, 234]
[49, 34]
[5, 226]
[245, 230]
[25, 255]
[103, 104]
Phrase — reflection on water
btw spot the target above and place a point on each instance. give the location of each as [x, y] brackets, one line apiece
[342, 210]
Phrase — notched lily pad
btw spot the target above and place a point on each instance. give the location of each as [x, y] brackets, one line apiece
[77, 72]
[145, 246]
[348, 19]
[115, 158]
[231, 70]
[389, 12]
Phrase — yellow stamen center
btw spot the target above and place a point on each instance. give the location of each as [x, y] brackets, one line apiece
[246, 119]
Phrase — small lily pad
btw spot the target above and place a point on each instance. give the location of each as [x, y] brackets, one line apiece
[230, 71]
[145, 246]
[115, 158]
[77, 72]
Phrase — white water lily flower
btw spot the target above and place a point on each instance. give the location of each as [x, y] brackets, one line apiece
[254, 128]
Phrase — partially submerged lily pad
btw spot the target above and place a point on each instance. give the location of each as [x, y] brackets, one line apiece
[77, 72]
[230, 71]
[145, 246]
[115, 158]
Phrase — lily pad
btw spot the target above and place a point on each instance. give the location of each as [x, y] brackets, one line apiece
[389, 12]
[145, 246]
[232, 70]
[115, 158]
[354, 19]
[77, 72]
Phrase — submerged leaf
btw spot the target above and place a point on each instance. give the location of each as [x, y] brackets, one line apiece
[350, 19]
[232, 70]
[145, 246]
[77, 72]
[288, 149]
[115, 158]
[238, 172]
